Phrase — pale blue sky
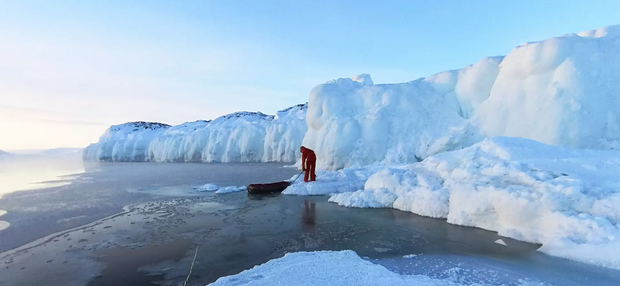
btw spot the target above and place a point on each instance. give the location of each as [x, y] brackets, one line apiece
[68, 69]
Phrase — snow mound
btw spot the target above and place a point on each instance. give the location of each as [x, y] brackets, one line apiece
[236, 137]
[563, 198]
[324, 268]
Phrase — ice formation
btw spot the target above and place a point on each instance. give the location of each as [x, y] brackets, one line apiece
[125, 142]
[236, 137]
[565, 199]
[561, 91]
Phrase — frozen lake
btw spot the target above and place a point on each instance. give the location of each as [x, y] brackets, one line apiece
[140, 224]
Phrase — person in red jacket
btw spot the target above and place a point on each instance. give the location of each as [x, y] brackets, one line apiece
[308, 163]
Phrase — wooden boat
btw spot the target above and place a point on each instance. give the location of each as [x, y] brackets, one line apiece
[268, 188]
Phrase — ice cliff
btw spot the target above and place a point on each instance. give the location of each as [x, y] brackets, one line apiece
[563, 91]
[236, 137]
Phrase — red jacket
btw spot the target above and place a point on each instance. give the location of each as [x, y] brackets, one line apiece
[307, 157]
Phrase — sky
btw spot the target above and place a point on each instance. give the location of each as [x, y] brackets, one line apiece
[70, 69]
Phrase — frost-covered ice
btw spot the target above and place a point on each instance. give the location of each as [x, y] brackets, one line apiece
[565, 199]
[324, 268]
[236, 137]
[561, 91]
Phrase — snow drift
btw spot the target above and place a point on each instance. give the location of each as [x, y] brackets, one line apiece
[325, 268]
[236, 137]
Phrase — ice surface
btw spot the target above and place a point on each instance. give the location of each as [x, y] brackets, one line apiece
[324, 268]
[565, 199]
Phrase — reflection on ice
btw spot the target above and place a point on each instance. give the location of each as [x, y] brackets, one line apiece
[33, 172]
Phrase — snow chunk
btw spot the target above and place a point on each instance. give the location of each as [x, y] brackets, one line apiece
[609, 31]
[324, 268]
[500, 241]
[363, 78]
[208, 188]
[231, 189]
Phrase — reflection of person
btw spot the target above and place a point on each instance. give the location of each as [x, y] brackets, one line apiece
[309, 213]
[308, 163]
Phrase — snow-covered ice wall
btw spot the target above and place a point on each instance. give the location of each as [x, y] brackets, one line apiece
[125, 142]
[236, 137]
[354, 122]
[562, 91]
